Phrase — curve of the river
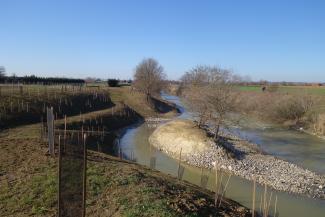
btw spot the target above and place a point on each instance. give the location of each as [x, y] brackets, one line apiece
[300, 148]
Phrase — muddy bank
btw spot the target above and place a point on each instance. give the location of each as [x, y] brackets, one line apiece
[245, 160]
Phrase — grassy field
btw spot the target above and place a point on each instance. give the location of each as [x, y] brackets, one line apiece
[28, 176]
[315, 90]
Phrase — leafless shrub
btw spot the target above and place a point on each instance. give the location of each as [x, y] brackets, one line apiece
[319, 124]
[279, 107]
[293, 107]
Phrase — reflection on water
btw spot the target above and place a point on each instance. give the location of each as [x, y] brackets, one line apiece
[135, 141]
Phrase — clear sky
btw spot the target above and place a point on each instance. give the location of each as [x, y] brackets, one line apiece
[274, 40]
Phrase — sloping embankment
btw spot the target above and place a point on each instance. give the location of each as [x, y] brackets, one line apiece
[115, 188]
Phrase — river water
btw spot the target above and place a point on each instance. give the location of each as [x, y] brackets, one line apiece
[300, 148]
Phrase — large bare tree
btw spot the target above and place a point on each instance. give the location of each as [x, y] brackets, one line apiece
[149, 77]
[210, 93]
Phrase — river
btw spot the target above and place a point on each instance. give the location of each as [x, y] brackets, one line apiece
[300, 148]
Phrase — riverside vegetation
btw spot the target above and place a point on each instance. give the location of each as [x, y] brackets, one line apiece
[115, 187]
[213, 96]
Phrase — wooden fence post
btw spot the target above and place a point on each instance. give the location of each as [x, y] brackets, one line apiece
[50, 130]
[59, 177]
[254, 190]
[84, 176]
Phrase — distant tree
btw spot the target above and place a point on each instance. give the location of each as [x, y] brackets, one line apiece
[112, 82]
[32, 79]
[2, 74]
[90, 80]
[2, 71]
[149, 77]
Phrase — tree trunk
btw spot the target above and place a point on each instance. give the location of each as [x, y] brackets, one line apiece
[216, 133]
[200, 121]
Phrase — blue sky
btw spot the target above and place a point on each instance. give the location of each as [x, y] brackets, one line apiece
[273, 40]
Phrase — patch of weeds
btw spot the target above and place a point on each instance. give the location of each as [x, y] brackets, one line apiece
[123, 201]
[130, 179]
[42, 194]
[97, 180]
[149, 190]
[149, 207]
[39, 210]
[27, 199]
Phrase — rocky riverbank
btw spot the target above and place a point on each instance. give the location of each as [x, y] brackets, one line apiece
[241, 158]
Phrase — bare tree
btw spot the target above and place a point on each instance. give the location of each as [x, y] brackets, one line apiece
[193, 89]
[211, 94]
[149, 77]
[2, 71]
[221, 98]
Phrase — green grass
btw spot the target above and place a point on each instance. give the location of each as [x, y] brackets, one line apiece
[250, 88]
[39, 198]
[97, 181]
[147, 207]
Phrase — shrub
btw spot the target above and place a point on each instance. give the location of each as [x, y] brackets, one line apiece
[293, 107]
[112, 82]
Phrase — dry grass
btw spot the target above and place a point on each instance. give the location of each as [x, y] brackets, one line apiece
[115, 188]
[28, 179]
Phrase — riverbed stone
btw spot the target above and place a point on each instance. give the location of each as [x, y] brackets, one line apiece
[247, 161]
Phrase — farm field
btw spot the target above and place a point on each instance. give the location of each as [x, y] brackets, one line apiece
[315, 90]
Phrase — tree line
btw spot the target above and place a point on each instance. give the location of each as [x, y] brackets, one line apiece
[213, 95]
[209, 90]
[39, 80]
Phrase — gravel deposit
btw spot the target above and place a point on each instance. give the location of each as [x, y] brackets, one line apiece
[246, 160]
